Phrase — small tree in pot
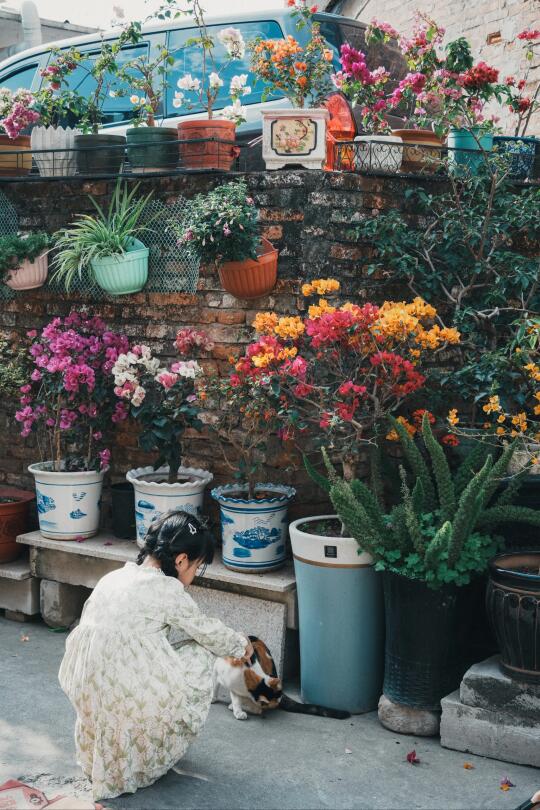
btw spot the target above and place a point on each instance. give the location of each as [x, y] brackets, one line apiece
[69, 403]
[17, 112]
[222, 227]
[163, 400]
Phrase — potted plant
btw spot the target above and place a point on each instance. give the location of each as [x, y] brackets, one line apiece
[209, 143]
[149, 148]
[106, 245]
[222, 227]
[513, 605]
[379, 150]
[16, 114]
[23, 260]
[253, 513]
[14, 502]
[56, 105]
[163, 401]
[519, 149]
[429, 546]
[97, 152]
[68, 401]
[298, 135]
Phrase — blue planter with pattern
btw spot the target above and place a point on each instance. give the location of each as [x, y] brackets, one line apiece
[68, 503]
[254, 531]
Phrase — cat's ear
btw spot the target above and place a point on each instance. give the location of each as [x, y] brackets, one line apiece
[265, 659]
[275, 684]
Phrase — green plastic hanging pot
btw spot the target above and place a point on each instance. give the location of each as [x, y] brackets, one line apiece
[465, 150]
[122, 275]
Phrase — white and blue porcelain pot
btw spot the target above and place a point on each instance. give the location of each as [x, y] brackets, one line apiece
[68, 503]
[154, 495]
[254, 530]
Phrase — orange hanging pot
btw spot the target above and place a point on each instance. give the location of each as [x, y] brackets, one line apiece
[251, 278]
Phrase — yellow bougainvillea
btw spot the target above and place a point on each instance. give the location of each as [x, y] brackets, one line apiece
[265, 322]
[321, 286]
[289, 328]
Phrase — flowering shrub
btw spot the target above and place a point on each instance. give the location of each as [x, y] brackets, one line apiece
[449, 91]
[54, 101]
[222, 225]
[364, 87]
[337, 373]
[161, 398]
[522, 105]
[299, 73]
[69, 398]
[16, 111]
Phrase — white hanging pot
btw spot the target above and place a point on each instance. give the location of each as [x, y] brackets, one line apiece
[254, 531]
[68, 503]
[54, 164]
[154, 495]
[29, 275]
[379, 153]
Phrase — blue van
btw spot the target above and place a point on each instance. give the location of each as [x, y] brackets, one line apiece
[23, 69]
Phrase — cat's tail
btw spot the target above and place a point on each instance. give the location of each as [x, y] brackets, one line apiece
[290, 705]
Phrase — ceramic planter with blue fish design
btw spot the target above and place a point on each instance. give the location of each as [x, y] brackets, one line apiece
[154, 495]
[68, 503]
[254, 531]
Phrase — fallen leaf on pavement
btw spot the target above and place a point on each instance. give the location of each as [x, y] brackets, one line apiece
[412, 759]
[25, 638]
[506, 784]
[468, 766]
[108, 543]
[348, 751]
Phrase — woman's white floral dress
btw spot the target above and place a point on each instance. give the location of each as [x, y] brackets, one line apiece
[139, 701]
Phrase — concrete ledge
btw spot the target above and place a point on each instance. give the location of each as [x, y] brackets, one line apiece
[487, 733]
[486, 686]
[84, 563]
[19, 590]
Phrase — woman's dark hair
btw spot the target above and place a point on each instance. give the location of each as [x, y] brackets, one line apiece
[175, 533]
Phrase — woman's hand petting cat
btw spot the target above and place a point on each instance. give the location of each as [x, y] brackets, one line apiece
[249, 652]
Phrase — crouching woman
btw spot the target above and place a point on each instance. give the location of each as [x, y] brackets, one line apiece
[140, 701]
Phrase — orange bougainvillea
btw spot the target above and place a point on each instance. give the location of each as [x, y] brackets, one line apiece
[287, 68]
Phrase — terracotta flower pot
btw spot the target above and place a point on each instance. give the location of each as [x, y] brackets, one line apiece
[207, 154]
[422, 152]
[29, 275]
[15, 156]
[251, 278]
[13, 520]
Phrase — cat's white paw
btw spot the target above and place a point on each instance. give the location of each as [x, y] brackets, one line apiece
[240, 715]
[230, 707]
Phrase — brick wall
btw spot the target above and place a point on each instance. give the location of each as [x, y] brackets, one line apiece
[491, 26]
[306, 214]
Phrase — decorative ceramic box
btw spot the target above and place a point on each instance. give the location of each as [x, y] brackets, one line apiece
[295, 136]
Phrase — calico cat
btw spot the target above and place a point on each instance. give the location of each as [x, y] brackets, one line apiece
[255, 688]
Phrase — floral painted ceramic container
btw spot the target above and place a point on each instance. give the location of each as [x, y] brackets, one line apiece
[295, 136]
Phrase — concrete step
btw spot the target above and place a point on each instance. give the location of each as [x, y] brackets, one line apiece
[487, 733]
[19, 590]
[486, 686]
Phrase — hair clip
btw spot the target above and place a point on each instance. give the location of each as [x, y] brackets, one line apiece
[192, 529]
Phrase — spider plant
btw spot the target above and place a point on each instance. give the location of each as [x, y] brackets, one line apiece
[107, 233]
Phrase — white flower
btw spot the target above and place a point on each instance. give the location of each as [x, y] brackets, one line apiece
[112, 93]
[134, 99]
[187, 82]
[237, 84]
[246, 91]
[233, 41]
[215, 81]
[138, 396]
[187, 368]
[235, 112]
[176, 102]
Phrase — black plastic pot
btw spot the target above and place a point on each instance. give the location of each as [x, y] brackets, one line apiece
[423, 650]
[99, 154]
[513, 606]
[519, 153]
[123, 510]
[152, 149]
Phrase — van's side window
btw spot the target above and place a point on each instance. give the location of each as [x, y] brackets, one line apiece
[21, 77]
[188, 59]
[115, 109]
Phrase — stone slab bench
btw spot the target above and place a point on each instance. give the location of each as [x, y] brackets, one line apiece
[258, 604]
[19, 590]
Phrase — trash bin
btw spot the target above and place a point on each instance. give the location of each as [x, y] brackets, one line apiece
[341, 617]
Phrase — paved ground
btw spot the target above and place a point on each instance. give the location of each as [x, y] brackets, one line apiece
[284, 761]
